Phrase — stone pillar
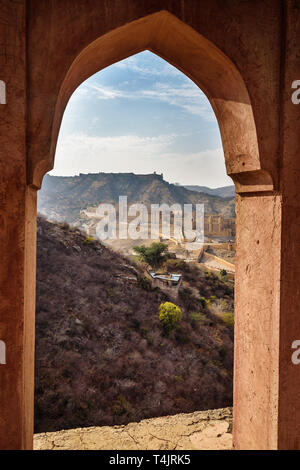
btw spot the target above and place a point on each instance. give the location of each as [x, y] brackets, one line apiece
[257, 309]
[17, 239]
[289, 383]
[267, 382]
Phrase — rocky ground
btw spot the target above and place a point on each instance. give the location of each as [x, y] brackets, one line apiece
[202, 430]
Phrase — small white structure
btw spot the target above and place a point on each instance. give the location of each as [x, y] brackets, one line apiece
[2, 352]
[169, 279]
[2, 92]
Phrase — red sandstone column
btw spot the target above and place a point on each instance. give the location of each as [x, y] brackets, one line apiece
[17, 239]
[257, 315]
[267, 381]
[289, 373]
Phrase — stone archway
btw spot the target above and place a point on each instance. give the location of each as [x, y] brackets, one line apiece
[164, 34]
[251, 60]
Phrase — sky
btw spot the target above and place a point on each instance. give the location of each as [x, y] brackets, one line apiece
[141, 115]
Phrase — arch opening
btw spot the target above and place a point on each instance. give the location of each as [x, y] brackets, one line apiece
[149, 330]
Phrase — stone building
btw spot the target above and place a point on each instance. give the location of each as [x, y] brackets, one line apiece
[218, 226]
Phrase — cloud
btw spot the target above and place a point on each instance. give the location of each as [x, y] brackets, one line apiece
[165, 84]
[171, 154]
[85, 145]
[133, 153]
[187, 96]
[161, 68]
[107, 93]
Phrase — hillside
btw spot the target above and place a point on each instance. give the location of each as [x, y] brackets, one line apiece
[62, 198]
[224, 191]
[101, 355]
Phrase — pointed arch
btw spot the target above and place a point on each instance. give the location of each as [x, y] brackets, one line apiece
[165, 35]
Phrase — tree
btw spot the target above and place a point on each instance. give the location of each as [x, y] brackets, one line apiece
[223, 273]
[169, 315]
[154, 254]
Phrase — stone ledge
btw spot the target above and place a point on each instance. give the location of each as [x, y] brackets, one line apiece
[202, 430]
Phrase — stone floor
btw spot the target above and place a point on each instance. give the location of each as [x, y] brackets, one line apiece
[202, 430]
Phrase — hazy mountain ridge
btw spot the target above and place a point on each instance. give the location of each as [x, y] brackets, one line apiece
[62, 198]
[224, 191]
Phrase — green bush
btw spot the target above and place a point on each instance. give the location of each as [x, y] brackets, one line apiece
[170, 316]
[188, 299]
[88, 240]
[145, 283]
[228, 319]
[153, 254]
[204, 302]
[198, 318]
[175, 264]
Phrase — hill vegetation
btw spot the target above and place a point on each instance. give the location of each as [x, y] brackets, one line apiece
[103, 356]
